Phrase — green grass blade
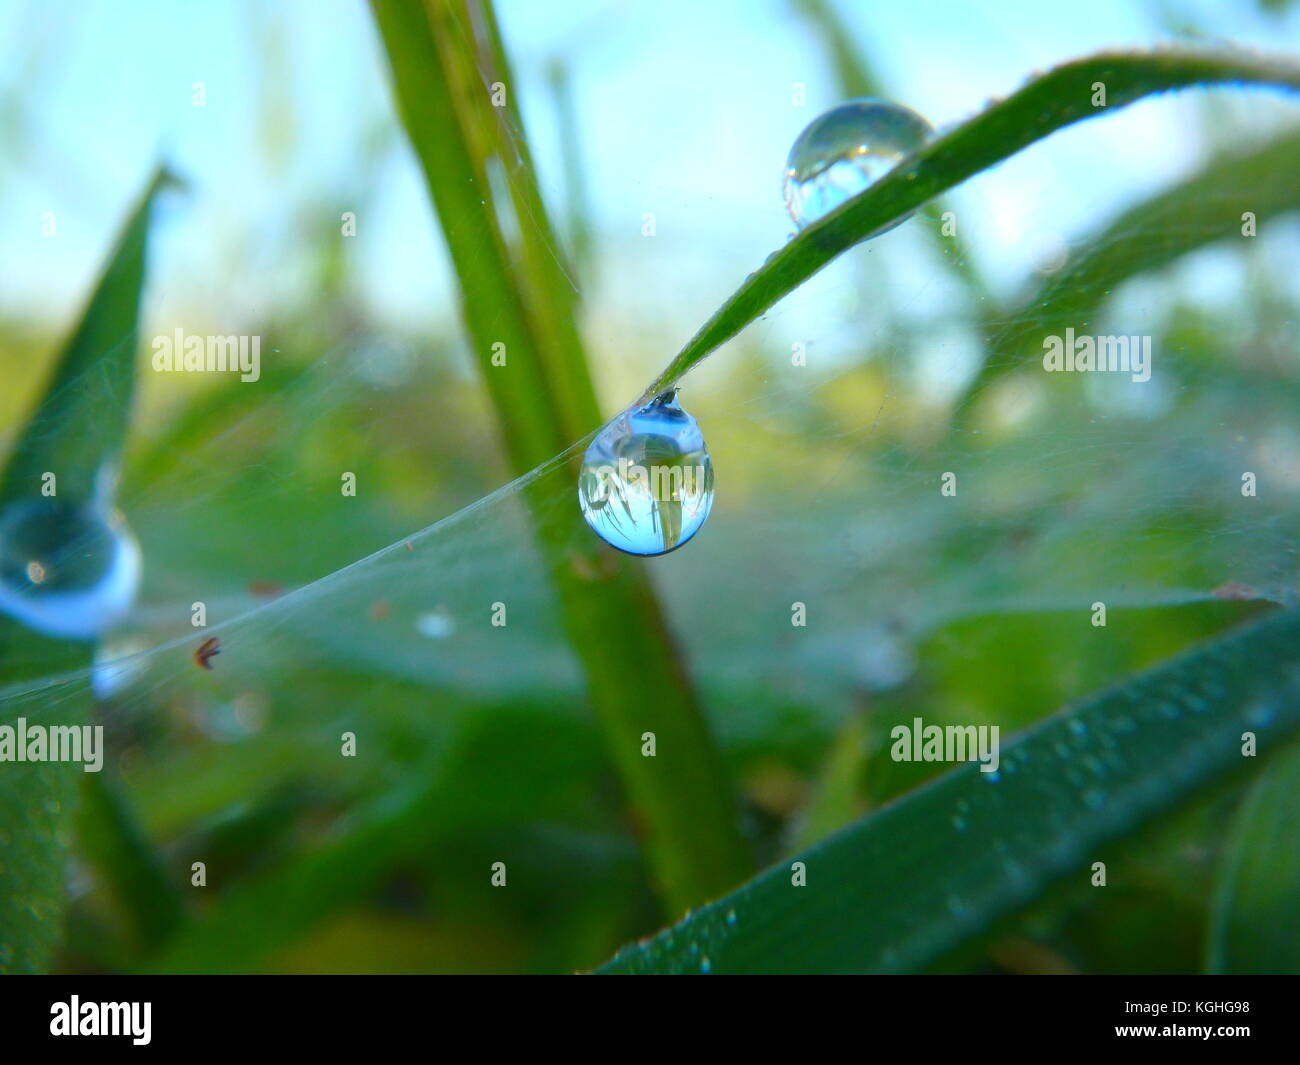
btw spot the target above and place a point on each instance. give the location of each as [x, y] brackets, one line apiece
[837, 798]
[898, 889]
[444, 60]
[1205, 208]
[76, 430]
[856, 78]
[261, 915]
[113, 843]
[576, 194]
[1044, 105]
[1256, 911]
[93, 381]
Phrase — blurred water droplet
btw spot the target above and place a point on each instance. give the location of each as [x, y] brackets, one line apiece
[66, 571]
[1260, 716]
[731, 917]
[435, 624]
[706, 966]
[646, 485]
[116, 667]
[847, 150]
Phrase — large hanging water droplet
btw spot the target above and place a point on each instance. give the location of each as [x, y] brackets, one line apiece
[846, 150]
[647, 481]
[66, 571]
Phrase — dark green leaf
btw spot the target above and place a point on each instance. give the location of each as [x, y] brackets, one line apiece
[76, 431]
[901, 887]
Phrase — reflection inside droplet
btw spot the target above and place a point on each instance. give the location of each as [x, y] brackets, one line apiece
[847, 150]
[646, 485]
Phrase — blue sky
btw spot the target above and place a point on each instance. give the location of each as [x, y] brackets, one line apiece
[684, 110]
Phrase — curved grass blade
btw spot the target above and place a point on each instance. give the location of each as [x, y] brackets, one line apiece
[1257, 899]
[856, 77]
[899, 888]
[76, 431]
[1205, 208]
[1044, 105]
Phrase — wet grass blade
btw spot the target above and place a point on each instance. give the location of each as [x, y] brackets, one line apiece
[1041, 107]
[856, 78]
[518, 299]
[901, 887]
[77, 428]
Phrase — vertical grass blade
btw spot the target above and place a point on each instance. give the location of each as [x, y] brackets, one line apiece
[76, 431]
[446, 59]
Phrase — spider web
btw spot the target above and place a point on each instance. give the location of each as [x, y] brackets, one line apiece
[1071, 490]
[1061, 502]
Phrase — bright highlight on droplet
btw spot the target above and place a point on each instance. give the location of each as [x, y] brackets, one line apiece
[66, 571]
[646, 485]
[847, 150]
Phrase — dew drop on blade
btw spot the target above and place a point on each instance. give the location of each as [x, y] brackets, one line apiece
[66, 571]
[847, 150]
[647, 481]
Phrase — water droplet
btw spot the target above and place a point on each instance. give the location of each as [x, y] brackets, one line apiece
[647, 480]
[116, 666]
[1094, 799]
[66, 570]
[435, 624]
[1260, 715]
[706, 966]
[731, 917]
[846, 150]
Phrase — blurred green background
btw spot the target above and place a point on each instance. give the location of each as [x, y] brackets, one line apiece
[656, 135]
